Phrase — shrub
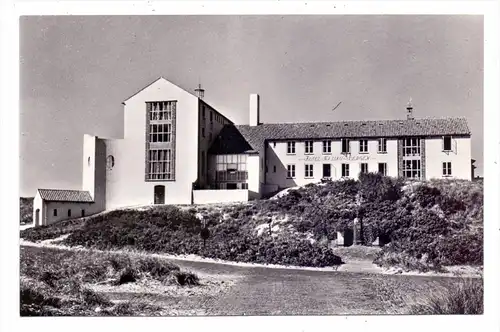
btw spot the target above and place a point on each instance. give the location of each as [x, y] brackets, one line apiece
[465, 298]
[26, 210]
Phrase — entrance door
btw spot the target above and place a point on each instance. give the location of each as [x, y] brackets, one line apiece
[37, 217]
[327, 170]
[159, 194]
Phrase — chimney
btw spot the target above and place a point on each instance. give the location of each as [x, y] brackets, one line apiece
[200, 93]
[409, 111]
[254, 109]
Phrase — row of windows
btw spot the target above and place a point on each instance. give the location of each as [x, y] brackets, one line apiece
[218, 118]
[309, 170]
[210, 136]
[411, 146]
[69, 213]
[346, 146]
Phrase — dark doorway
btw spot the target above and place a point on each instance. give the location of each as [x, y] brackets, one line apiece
[348, 237]
[37, 217]
[327, 170]
[232, 186]
[83, 213]
[159, 194]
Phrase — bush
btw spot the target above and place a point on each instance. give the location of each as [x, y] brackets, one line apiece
[464, 299]
[26, 210]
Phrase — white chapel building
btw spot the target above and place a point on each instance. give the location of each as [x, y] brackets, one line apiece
[177, 149]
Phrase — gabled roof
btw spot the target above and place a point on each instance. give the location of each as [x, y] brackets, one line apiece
[156, 80]
[245, 138]
[60, 195]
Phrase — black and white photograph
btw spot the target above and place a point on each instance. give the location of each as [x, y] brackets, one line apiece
[252, 165]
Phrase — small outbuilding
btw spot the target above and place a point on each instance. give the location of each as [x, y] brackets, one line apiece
[51, 205]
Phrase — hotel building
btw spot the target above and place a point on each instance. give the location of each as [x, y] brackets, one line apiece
[177, 149]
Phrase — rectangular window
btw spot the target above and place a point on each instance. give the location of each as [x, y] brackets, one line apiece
[411, 169]
[274, 144]
[161, 133]
[55, 212]
[244, 185]
[309, 171]
[210, 136]
[83, 213]
[345, 170]
[447, 168]
[202, 132]
[290, 147]
[382, 168]
[162, 110]
[231, 168]
[160, 164]
[274, 169]
[411, 147]
[211, 116]
[382, 145]
[69, 212]
[364, 168]
[447, 143]
[327, 146]
[203, 113]
[290, 171]
[327, 170]
[309, 147]
[346, 148]
[202, 162]
[363, 146]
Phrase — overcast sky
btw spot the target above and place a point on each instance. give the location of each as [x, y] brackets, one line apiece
[76, 71]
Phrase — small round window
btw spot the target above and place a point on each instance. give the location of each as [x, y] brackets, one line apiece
[110, 162]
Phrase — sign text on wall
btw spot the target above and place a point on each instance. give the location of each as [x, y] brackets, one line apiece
[336, 158]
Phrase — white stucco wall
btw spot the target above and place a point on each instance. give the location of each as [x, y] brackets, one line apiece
[126, 183]
[460, 158]
[220, 196]
[62, 211]
[38, 204]
[254, 175]
[276, 155]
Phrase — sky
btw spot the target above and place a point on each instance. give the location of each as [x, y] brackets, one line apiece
[75, 72]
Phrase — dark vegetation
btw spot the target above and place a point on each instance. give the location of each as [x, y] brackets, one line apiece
[55, 282]
[26, 210]
[428, 225]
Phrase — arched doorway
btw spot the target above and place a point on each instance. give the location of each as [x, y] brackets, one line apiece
[37, 217]
[159, 194]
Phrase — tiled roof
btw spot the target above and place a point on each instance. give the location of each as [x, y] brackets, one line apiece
[58, 195]
[245, 138]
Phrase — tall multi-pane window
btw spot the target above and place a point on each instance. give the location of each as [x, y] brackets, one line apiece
[160, 164]
[160, 133]
[363, 146]
[345, 170]
[411, 147]
[309, 147]
[382, 145]
[412, 169]
[160, 140]
[162, 110]
[346, 146]
[309, 171]
[202, 162]
[290, 147]
[447, 168]
[382, 168]
[327, 146]
[290, 171]
[364, 167]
